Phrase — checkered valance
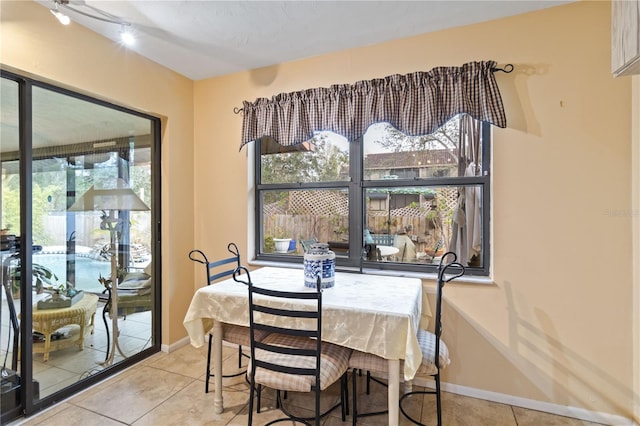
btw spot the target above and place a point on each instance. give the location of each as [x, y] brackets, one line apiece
[416, 104]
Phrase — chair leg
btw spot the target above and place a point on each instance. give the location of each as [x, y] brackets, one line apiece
[355, 398]
[436, 378]
[209, 375]
[317, 405]
[206, 384]
[251, 391]
[346, 393]
[344, 396]
[438, 401]
[356, 414]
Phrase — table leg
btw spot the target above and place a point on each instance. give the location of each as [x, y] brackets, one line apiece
[408, 386]
[217, 367]
[47, 347]
[394, 391]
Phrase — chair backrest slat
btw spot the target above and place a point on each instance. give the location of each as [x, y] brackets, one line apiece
[286, 331]
[285, 350]
[285, 294]
[215, 270]
[286, 312]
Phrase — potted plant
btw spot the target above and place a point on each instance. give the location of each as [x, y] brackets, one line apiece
[269, 246]
[281, 243]
[436, 251]
[41, 276]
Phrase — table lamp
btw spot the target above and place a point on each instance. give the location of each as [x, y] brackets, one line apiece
[110, 200]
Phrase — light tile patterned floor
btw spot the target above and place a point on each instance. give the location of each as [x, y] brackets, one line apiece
[168, 389]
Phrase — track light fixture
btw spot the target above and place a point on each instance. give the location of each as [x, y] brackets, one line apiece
[126, 36]
[64, 19]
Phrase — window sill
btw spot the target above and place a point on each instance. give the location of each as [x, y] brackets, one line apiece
[466, 279]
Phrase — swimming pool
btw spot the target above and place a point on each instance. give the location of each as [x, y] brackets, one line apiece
[88, 270]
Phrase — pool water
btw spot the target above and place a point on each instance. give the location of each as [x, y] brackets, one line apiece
[88, 270]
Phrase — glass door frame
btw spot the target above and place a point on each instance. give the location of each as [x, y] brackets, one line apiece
[25, 107]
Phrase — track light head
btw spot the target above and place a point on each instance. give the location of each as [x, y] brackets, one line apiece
[64, 19]
[126, 36]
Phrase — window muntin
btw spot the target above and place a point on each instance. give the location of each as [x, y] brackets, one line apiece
[392, 173]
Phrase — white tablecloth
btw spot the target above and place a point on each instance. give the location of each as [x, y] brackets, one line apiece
[370, 313]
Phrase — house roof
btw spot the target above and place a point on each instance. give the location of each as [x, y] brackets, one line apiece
[412, 159]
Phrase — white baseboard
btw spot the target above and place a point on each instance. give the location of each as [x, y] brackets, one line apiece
[547, 407]
[184, 342]
[175, 346]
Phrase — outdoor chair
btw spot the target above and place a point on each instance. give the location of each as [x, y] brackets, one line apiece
[306, 244]
[135, 294]
[293, 359]
[406, 246]
[383, 239]
[231, 333]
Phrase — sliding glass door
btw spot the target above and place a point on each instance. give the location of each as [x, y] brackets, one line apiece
[80, 252]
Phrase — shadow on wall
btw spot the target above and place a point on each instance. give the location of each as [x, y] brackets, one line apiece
[543, 342]
[534, 358]
[514, 88]
[264, 76]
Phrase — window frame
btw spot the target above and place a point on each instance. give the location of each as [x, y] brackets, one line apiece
[356, 187]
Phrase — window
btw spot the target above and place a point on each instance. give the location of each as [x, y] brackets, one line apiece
[385, 201]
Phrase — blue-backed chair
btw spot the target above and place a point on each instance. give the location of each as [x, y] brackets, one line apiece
[235, 334]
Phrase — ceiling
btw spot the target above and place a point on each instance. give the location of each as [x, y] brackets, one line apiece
[203, 39]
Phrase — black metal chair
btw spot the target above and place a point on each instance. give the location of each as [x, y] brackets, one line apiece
[235, 334]
[290, 359]
[430, 344]
[435, 354]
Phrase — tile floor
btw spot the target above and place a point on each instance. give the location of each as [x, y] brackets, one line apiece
[67, 366]
[168, 389]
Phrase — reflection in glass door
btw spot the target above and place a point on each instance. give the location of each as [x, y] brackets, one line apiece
[9, 251]
[93, 284]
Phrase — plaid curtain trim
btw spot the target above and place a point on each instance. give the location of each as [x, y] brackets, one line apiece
[416, 104]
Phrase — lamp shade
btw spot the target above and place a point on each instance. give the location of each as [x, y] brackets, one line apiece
[119, 198]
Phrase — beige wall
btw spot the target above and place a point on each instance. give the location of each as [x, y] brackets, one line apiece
[557, 324]
[560, 323]
[80, 59]
[635, 233]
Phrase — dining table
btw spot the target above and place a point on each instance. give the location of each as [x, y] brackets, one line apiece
[386, 251]
[370, 313]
